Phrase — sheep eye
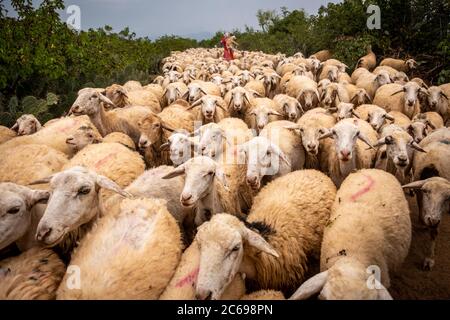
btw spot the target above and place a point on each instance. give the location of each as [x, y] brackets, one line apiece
[157, 125]
[236, 248]
[84, 190]
[268, 153]
[211, 173]
[90, 136]
[302, 130]
[14, 210]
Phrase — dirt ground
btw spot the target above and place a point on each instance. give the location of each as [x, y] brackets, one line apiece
[411, 282]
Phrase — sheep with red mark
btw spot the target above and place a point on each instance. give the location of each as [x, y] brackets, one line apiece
[369, 228]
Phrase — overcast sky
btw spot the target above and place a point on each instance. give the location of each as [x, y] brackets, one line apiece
[195, 18]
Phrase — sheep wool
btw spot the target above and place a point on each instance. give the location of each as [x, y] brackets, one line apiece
[6, 134]
[33, 275]
[138, 251]
[296, 221]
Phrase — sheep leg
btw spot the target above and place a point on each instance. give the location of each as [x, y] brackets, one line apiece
[428, 262]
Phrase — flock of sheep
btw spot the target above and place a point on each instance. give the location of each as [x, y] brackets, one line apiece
[226, 180]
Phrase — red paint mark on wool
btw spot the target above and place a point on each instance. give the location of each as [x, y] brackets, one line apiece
[101, 162]
[364, 190]
[190, 278]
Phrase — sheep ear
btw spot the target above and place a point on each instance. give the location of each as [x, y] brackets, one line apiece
[165, 146]
[185, 95]
[106, 183]
[220, 175]
[292, 127]
[256, 240]
[166, 127]
[15, 127]
[444, 95]
[275, 149]
[275, 113]
[178, 171]
[196, 103]
[105, 100]
[397, 92]
[416, 146]
[328, 134]
[415, 185]
[364, 139]
[42, 181]
[311, 287]
[389, 117]
[36, 196]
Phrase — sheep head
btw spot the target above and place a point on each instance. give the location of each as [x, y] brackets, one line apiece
[263, 159]
[90, 103]
[435, 193]
[26, 124]
[118, 95]
[377, 118]
[76, 190]
[16, 202]
[180, 146]
[208, 104]
[151, 128]
[262, 113]
[223, 241]
[83, 136]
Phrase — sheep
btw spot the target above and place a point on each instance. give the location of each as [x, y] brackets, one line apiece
[171, 77]
[173, 92]
[158, 80]
[53, 135]
[216, 140]
[140, 248]
[212, 109]
[290, 107]
[6, 134]
[334, 62]
[121, 97]
[91, 104]
[433, 196]
[400, 119]
[329, 71]
[181, 147]
[276, 152]
[288, 231]
[257, 87]
[374, 115]
[399, 152]
[33, 275]
[270, 81]
[20, 209]
[238, 100]
[369, 61]
[395, 97]
[383, 69]
[84, 136]
[322, 55]
[438, 101]
[369, 230]
[156, 129]
[371, 82]
[348, 153]
[262, 112]
[246, 76]
[26, 124]
[334, 94]
[400, 65]
[304, 90]
[345, 110]
[182, 285]
[212, 187]
[77, 190]
[197, 88]
[24, 164]
[311, 126]
[423, 123]
[358, 96]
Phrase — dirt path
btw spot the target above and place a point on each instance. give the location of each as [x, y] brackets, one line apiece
[411, 282]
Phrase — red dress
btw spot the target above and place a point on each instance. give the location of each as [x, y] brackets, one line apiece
[227, 52]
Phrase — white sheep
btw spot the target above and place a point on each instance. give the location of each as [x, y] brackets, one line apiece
[438, 101]
[372, 82]
[348, 152]
[276, 152]
[26, 124]
[273, 246]
[290, 107]
[400, 65]
[367, 238]
[212, 109]
[403, 98]
[6, 134]
[262, 112]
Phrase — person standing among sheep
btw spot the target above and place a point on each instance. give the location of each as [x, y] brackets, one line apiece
[227, 42]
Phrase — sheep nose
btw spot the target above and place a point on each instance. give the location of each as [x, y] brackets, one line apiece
[433, 222]
[203, 295]
[402, 158]
[311, 146]
[292, 116]
[252, 179]
[260, 126]
[410, 102]
[21, 132]
[345, 154]
[43, 233]
[186, 197]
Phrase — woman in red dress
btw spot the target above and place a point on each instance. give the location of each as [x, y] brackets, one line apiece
[227, 50]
